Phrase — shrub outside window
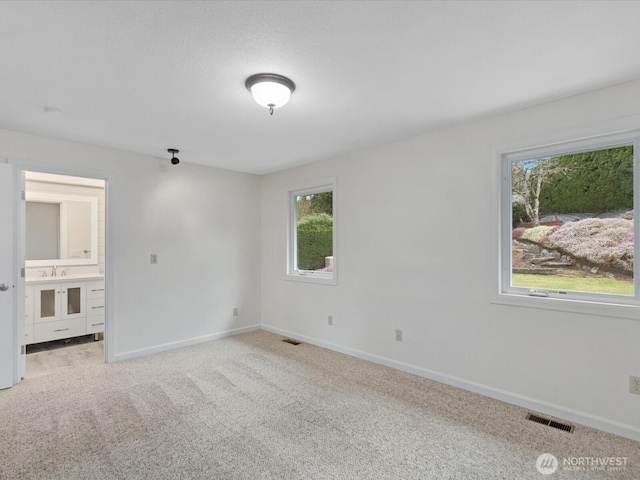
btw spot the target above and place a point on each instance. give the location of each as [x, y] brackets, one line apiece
[567, 226]
[311, 247]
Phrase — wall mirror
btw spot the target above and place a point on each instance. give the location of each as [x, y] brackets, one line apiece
[61, 229]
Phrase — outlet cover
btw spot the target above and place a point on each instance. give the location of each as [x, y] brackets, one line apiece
[330, 320]
[154, 258]
[634, 385]
[235, 311]
[398, 335]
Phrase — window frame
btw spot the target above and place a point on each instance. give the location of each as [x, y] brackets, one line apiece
[576, 141]
[292, 272]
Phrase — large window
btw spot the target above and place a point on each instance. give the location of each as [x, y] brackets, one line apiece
[567, 227]
[312, 245]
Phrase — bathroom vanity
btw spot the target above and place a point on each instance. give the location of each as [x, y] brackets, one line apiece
[63, 307]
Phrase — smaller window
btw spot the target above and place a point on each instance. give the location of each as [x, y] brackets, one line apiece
[312, 237]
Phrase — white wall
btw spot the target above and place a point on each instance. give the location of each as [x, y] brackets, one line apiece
[414, 239]
[203, 223]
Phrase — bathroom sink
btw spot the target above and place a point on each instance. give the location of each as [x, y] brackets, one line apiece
[64, 278]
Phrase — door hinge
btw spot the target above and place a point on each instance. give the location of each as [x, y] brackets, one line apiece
[23, 349]
[22, 272]
[24, 196]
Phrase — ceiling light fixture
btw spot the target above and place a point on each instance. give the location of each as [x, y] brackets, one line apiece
[270, 90]
[174, 159]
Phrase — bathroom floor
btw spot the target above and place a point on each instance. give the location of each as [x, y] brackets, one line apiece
[51, 357]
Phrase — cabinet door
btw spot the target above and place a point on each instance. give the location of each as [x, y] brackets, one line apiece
[73, 300]
[47, 303]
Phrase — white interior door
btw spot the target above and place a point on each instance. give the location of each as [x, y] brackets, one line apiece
[8, 277]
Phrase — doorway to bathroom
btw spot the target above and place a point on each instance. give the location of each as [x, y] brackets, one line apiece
[64, 222]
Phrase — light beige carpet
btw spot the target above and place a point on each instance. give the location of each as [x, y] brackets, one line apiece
[253, 407]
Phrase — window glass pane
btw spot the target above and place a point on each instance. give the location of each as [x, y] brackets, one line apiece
[314, 232]
[573, 222]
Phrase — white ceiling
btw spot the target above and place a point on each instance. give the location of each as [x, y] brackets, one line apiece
[144, 76]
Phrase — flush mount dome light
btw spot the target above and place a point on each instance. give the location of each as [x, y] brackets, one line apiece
[270, 90]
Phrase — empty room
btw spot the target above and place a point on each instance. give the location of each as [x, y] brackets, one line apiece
[319, 240]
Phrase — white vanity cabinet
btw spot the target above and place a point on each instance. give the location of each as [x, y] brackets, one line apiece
[63, 308]
[60, 311]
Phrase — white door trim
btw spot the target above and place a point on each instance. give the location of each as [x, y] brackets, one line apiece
[109, 277]
[18, 262]
[9, 353]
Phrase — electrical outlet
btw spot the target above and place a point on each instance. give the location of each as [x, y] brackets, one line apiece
[154, 258]
[398, 335]
[235, 311]
[634, 385]
[330, 320]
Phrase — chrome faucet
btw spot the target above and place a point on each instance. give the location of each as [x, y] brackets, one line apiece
[54, 270]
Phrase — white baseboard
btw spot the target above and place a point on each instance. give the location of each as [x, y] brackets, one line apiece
[540, 406]
[183, 343]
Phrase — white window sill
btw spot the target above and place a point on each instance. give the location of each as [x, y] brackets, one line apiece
[568, 305]
[318, 278]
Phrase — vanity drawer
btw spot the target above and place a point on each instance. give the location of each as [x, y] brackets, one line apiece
[95, 306]
[44, 332]
[95, 289]
[95, 324]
